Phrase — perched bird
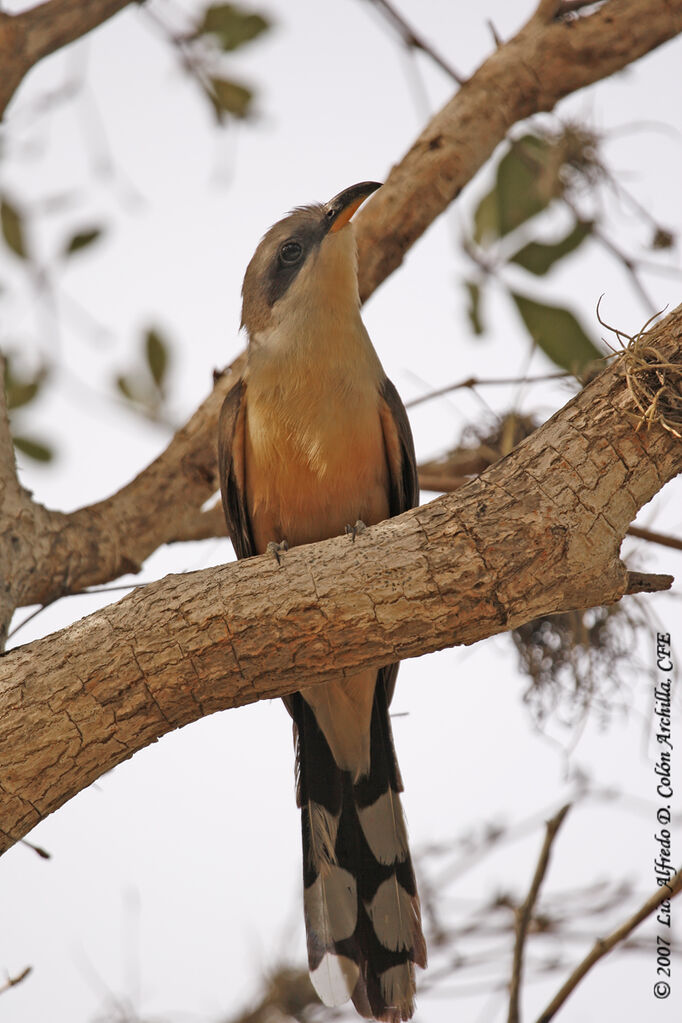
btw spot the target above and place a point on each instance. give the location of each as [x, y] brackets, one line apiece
[313, 438]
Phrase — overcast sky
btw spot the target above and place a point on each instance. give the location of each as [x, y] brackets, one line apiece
[174, 881]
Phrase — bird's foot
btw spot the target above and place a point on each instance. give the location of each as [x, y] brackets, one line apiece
[277, 549]
[353, 531]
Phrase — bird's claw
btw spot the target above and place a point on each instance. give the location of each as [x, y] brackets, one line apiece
[353, 531]
[276, 548]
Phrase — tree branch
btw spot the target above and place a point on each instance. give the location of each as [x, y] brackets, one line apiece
[604, 945]
[27, 37]
[544, 62]
[539, 532]
[524, 912]
[60, 553]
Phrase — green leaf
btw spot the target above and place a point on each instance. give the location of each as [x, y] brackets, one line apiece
[230, 97]
[13, 229]
[21, 390]
[35, 449]
[232, 25]
[19, 394]
[123, 384]
[525, 182]
[538, 257]
[81, 240]
[157, 356]
[486, 225]
[474, 307]
[557, 332]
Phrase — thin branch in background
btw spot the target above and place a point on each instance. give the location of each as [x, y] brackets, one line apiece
[525, 911]
[630, 265]
[413, 40]
[473, 382]
[604, 945]
[13, 981]
[37, 849]
[652, 537]
[77, 593]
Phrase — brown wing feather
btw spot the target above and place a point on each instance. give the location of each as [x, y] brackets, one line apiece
[232, 472]
[402, 463]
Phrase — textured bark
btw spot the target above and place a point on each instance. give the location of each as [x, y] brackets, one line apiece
[51, 553]
[538, 532]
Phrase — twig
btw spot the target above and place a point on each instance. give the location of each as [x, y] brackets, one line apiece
[13, 981]
[629, 263]
[524, 912]
[604, 945]
[639, 582]
[648, 534]
[415, 41]
[472, 382]
[441, 484]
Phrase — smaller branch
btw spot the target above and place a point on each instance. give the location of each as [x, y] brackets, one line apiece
[604, 945]
[525, 911]
[206, 525]
[472, 382]
[415, 41]
[497, 39]
[638, 582]
[652, 537]
[630, 265]
[441, 484]
[13, 981]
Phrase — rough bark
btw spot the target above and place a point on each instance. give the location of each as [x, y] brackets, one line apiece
[51, 553]
[538, 532]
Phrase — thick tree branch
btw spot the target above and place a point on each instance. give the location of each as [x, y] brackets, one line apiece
[27, 37]
[59, 553]
[538, 532]
[545, 61]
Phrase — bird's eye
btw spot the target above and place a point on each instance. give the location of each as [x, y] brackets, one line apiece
[290, 253]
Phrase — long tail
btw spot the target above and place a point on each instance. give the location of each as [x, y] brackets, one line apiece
[360, 896]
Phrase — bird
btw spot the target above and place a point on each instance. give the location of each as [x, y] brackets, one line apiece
[314, 440]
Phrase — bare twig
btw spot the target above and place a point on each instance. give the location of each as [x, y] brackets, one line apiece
[652, 537]
[414, 40]
[604, 945]
[524, 912]
[472, 382]
[640, 582]
[13, 981]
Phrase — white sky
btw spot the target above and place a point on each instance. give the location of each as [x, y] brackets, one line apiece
[175, 880]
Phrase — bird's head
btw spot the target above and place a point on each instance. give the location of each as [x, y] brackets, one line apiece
[305, 262]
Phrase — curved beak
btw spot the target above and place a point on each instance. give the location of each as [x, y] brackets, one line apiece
[341, 208]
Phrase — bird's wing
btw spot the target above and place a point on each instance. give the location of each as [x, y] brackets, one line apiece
[232, 470]
[402, 463]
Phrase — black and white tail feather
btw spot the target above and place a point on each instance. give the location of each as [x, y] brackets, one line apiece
[361, 905]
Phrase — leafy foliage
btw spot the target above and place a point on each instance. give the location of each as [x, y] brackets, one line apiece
[557, 332]
[232, 26]
[12, 224]
[144, 385]
[82, 240]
